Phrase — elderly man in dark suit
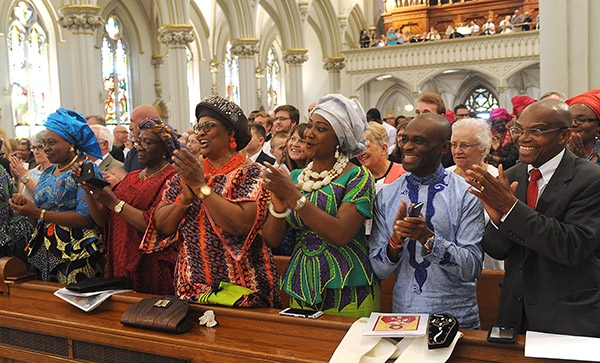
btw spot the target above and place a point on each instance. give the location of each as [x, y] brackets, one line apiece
[548, 231]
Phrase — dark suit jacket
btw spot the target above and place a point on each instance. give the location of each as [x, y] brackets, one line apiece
[117, 153]
[552, 253]
[262, 157]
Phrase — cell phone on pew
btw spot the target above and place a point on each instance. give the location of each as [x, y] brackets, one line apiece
[415, 209]
[502, 334]
[300, 313]
[26, 276]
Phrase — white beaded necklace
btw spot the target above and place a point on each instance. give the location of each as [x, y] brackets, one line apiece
[310, 180]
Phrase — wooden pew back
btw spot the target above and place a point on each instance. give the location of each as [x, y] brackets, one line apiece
[488, 292]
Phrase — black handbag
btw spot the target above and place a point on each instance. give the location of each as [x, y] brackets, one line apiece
[442, 330]
[164, 313]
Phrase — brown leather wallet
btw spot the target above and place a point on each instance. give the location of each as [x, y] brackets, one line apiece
[165, 313]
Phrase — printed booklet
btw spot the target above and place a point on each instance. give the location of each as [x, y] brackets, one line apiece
[86, 301]
[396, 325]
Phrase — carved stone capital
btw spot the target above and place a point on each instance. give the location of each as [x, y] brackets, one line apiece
[244, 47]
[82, 19]
[295, 56]
[303, 8]
[157, 60]
[334, 64]
[214, 67]
[176, 35]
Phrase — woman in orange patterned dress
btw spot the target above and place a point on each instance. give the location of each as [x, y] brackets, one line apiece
[213, 211]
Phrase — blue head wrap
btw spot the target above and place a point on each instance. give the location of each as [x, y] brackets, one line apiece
[71, 126]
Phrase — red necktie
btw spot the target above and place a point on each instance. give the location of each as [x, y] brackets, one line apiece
[532, 187]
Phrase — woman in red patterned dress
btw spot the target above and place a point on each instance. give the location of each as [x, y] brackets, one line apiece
[126, 211]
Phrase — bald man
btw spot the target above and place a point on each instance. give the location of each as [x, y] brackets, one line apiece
[547, 231]
[138, 115]
[436, 256]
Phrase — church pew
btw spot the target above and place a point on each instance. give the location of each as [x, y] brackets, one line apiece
[488, 292]
[34, 325]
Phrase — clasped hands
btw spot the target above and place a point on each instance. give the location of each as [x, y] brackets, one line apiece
[496, 194]
[408, 227]
[191, 171]
[284, 192]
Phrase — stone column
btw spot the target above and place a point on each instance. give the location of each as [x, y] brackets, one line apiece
[334, 65]
[177, 37]
[157, 62]
[294, 90]
[214, 69]
[245, 49]
[80, 59]
[259, 73]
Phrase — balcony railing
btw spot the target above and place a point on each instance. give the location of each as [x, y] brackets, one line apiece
[448, 54]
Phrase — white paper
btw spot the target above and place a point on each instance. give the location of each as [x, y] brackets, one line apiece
[557, 346]
[86, 301]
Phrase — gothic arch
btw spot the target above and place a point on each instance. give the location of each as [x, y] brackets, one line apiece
[355, 23]
[285, 15]
[323, 20]
[470, 84]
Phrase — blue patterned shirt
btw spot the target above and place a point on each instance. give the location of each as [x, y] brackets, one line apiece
[443, 281]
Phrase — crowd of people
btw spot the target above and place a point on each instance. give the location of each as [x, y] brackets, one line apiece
[395, 36]
[202, 215]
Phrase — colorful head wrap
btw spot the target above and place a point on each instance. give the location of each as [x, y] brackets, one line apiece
[348, 120]
[71, 126]
[165, 131]
[591, 99]
[232, 114]
[500, 114]
[520, 103]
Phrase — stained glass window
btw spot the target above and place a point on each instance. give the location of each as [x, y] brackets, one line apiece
[232, 76]
[273, 80]
[481, 101]
[115, 73]
[28, 68]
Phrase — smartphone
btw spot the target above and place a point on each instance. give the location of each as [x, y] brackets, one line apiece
[88, 175]
[415, 209]
[502, 334]
[300, 313]
[26, 276]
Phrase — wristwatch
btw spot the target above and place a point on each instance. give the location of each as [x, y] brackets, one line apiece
[119, 207]
[300, 203]
[24, 179]
[205, 191]
[429, 244]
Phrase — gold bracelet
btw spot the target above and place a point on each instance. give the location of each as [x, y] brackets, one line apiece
[42, 212]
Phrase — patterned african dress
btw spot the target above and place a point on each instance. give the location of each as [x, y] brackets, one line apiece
[338, 280]
[210, 260]
[74, 253]
[149, 273]
[15, 230]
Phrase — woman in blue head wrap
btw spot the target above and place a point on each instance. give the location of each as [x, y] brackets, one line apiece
[125, 211]
[70, 251]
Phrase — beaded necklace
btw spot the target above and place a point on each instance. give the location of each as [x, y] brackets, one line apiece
[309, 180]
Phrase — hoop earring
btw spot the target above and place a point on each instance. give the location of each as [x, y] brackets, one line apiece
[232, 143]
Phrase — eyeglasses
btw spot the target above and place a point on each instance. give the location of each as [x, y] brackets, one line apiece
[282, 118]
[582, 119]
[463, 145]
[37, 147]
[146, 144]
[204, 126]
[517, 131]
